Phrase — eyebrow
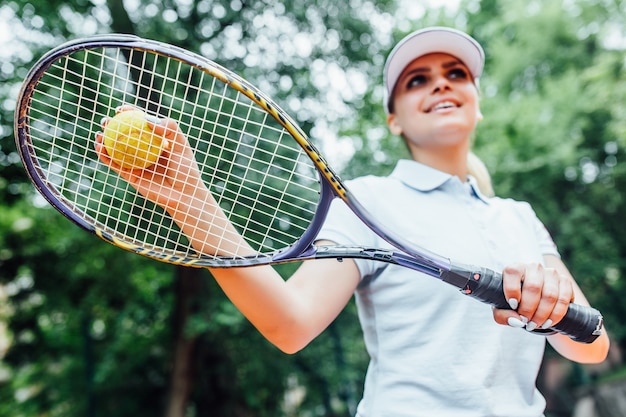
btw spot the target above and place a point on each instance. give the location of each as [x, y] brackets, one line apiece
[446, 65]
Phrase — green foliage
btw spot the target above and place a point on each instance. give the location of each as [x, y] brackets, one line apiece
[553, 100]
[72, 301]
[94, 329]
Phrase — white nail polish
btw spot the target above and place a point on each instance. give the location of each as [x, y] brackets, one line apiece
[547, 324]
[523, 319]
[152, 119]
[515, 322]
[513, 303]
[531, 326]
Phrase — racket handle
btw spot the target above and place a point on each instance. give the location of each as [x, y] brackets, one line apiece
[581, 323]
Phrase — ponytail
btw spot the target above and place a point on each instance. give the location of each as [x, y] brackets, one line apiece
[477, 169]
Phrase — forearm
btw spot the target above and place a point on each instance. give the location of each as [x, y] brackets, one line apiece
[291, 313]
[287, 313]
[578, 352]
[595, 352]
[259, 292]
[266, 300]
[207, 227]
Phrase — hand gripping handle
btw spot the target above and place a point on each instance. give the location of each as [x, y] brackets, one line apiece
[581, 323]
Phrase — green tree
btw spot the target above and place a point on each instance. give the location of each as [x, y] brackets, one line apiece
[98, 331]
[103, 331]
[553, 97]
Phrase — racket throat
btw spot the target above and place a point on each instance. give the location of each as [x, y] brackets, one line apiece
[380, 255]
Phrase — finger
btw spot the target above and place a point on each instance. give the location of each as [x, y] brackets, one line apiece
[104, 122]
[512, 277]
[125, 107]
[550, 293]
[556, 304]
[167, 128]
[100, 149]
[177, 145]
[104, 156]
[508, 318]
[532, 286]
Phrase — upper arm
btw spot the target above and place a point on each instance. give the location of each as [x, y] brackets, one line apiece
[291, 313]
[324, 286]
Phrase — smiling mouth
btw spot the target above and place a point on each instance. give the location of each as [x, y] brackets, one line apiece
[442, 106]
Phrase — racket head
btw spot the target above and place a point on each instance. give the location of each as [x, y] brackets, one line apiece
[259, 165]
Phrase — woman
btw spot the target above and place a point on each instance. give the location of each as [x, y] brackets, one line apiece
[433, 352]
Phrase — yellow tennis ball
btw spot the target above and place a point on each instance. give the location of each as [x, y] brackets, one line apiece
[130, 142]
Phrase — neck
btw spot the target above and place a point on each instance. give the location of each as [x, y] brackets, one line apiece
[450, 160]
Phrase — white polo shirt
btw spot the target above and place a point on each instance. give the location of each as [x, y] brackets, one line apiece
[433, 350]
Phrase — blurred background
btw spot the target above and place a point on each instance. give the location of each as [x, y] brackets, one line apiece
[90, 330]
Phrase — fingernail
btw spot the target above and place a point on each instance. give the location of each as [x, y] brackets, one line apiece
[513, 303]
[523, 319]
[152, 119]
[547, 324]
[531, 326]
[515, 322]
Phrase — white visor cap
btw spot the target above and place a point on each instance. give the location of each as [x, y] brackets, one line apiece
[428, 41]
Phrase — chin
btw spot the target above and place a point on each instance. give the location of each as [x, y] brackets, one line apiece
[454, 132]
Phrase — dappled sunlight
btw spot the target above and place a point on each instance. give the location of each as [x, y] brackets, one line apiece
[91, 325]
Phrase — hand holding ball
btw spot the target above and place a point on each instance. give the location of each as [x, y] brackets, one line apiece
[130, 142]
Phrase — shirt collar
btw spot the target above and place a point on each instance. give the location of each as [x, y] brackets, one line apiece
[424, 178]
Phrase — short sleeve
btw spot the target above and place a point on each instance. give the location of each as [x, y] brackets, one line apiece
[544, 239]
[343, 227]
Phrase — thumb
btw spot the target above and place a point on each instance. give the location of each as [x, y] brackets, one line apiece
[165, 127]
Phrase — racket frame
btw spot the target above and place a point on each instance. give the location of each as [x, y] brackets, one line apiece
[481, 283]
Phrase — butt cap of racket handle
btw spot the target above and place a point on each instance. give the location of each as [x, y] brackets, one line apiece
[580, 323]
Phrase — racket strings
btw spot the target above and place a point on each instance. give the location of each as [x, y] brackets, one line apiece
[262, 179]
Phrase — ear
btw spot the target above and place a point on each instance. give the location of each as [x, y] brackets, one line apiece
[394, 127]
[479, 114]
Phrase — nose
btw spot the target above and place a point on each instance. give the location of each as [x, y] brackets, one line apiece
[441, 83]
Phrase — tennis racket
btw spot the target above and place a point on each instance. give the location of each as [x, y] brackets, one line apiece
[269, 180]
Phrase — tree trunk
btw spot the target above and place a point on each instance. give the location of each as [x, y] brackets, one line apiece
[188, 286]
[120, 20]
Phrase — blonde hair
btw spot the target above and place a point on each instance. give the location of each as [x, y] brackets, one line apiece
[477, 169]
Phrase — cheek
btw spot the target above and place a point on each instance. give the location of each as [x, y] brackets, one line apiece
[407, 99]
[477, 114]
[472, 104]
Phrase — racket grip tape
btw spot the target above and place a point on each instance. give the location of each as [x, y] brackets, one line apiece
[580, 323]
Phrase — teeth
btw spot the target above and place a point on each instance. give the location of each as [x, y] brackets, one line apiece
[444, 105]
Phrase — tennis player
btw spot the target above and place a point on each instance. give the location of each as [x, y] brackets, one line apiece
[433, 352]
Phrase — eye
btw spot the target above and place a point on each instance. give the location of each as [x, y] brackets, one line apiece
[458, 73]
[416, 81]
